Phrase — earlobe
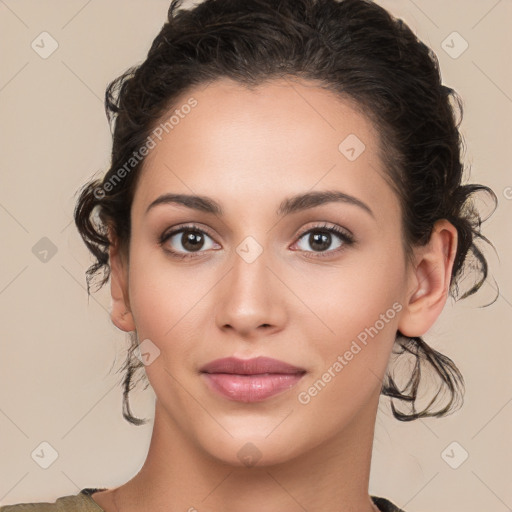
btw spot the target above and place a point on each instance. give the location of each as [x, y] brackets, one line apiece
[429, 280]
[121, 314]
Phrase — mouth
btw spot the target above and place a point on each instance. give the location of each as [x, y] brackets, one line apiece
[250, 380]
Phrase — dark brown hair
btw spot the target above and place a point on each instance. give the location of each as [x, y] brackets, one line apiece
[354, 48]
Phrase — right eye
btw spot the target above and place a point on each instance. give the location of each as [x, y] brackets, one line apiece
[185, 238]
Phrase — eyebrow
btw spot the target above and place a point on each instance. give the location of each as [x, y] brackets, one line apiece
[289, 205]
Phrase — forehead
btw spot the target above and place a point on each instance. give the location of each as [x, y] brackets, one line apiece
[245, 145]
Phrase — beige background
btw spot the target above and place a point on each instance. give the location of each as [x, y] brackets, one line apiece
[59, 351]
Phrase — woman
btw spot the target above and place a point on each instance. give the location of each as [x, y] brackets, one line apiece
[284, 211]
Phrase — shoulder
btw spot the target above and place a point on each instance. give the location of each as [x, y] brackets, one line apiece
[81, 502]
[383, 504]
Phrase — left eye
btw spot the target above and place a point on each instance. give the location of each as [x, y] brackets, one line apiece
[321, 238]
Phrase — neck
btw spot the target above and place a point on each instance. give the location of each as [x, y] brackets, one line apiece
[178, 475]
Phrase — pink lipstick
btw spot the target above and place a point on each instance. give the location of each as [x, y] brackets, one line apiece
[250, 380]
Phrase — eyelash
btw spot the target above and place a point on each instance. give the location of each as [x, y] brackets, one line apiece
[345, 237]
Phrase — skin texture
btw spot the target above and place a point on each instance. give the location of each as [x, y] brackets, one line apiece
[249, 150]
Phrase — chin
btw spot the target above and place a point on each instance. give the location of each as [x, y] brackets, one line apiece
[253, 450]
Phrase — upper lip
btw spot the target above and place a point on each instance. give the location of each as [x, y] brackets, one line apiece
[255, 366]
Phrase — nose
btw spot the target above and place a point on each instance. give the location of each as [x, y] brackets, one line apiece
[251, 298]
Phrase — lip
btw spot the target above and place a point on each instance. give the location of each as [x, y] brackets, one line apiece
[254, 366]
[250, 380]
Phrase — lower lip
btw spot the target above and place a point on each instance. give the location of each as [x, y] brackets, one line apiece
[251, 388]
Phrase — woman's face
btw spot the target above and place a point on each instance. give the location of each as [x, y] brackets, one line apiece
[264, 277]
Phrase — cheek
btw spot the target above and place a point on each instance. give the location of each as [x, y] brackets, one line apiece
[353, 294]
[361, 313]
[166, 299]
[165, 304]
[357, 308]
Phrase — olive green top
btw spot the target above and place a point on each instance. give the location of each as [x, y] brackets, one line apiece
[82, 502]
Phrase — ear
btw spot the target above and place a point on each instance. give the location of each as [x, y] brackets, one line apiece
[121, 314]
[429, 280]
